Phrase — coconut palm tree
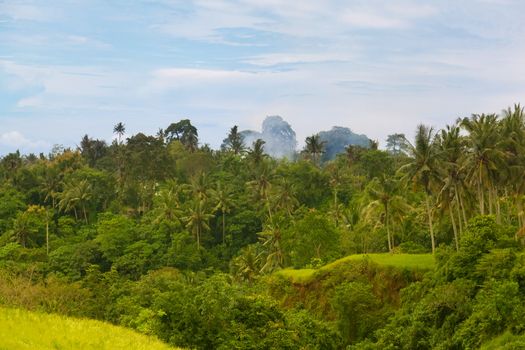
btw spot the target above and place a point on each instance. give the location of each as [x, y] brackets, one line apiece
[197, 219]
[314, 147]
[76, 196]
[284, 197]
[485, 157]
[120, 130]
[261, 186]
[383, 198]
[223, 199]
[513, 130]
[256, 154]
[168, 202]
[199, 187]
[422, 169]
[270, 238]
[451, 149]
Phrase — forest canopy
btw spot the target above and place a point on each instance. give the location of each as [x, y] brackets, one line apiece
[234, 248]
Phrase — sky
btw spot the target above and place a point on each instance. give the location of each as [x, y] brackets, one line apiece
[75, 67]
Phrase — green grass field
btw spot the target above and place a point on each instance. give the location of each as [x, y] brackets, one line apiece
[21, 330]
[506, 341]
[406, 261]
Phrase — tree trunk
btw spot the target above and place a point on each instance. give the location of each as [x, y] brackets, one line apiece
[269, 208]
[223, 226]
[480, 193]
[85, 214]
[460, 222]
[454, 226]
[491, 200]
[336, 211]
[390, 245]
[47, 235]
[429, 213]
[462, 205]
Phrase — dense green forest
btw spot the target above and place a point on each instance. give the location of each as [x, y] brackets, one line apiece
[233, 249]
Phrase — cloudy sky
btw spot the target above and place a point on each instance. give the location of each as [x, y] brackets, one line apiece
[70, 67]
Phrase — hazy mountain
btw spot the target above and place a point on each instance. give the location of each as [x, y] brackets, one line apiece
[338, 138]
[279, 137]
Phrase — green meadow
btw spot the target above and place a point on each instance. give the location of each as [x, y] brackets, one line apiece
[24, 330]
[403, 261]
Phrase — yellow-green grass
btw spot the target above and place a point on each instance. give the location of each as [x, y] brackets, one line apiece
[404, 261]
[21, 330]
[506, 341]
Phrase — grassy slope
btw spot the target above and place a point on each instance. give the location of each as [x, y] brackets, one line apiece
[405, 261]
[21, 329]
[506, 341]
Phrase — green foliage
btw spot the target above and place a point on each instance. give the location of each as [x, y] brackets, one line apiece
[114, 234]
[357, 309]
[312, 236]
[181, 241]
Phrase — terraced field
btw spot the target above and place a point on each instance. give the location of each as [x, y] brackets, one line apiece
[405, 261]
[24, 330]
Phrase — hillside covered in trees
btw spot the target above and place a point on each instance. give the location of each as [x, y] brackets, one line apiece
[415, 246]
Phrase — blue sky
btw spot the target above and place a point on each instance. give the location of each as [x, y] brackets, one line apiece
[70, 67]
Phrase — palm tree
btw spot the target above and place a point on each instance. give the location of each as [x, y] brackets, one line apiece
[422, 169]
[120, 130]
[168, 202]
[197, 220]
[222, 195]
[261, 186]
[256, 153]
[284, 197]
[383, 196]
[335, 182]
[485, 156]
[271, 242]
[247, 265]
[51, 185]
[451, 147]
[513, 129]
[76, 196]
[199, 187]
[314, 147]
[67, 200]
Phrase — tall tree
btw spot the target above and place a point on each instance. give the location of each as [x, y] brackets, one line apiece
[234, 142]
[485, 157]
[223, 199]
[422, 169]
[396, 143]
[384, 198]
[451, 152]
[184, 132]
[314, 147]
[120, 130]
[256, 154]
[197, 219]
[76, 196]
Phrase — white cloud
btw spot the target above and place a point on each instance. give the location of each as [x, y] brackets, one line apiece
[13, 140]
[274, 59]
[371, 20]
[20, 11]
